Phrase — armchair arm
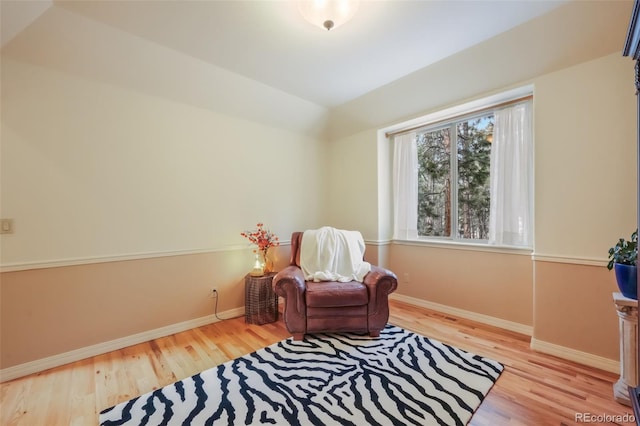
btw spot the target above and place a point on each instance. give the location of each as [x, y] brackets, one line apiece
[380, 282]
[290, 284]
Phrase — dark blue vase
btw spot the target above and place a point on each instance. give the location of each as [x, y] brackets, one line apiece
[627, 276]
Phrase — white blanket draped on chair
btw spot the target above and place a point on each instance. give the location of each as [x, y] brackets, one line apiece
[330, 254]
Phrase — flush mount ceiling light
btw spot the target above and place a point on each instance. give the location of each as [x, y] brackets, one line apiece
[328, 14]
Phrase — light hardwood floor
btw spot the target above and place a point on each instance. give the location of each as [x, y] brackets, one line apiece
[534, 389]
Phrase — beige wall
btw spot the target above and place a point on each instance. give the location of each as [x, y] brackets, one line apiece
[585, 199]
[93, 174]
[353, 182]
[574, 308]
[91, 170]
[51, 311]
[499, 285]
[585, 154]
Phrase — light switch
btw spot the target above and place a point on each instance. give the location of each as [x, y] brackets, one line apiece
[6, 226]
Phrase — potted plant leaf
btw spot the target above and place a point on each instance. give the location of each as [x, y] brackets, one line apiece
[623, 258]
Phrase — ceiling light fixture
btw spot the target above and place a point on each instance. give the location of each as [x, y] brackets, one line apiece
[328, 14]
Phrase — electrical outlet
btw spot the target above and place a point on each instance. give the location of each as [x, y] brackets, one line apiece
[405, 278]
[214, 292]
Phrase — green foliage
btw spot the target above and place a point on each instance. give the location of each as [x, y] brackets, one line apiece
[433, 182]
[624, 252]
[472, 154]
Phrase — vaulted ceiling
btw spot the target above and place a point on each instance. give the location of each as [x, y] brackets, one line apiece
[269, 44]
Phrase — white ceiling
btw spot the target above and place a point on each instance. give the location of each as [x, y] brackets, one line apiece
[268, 41]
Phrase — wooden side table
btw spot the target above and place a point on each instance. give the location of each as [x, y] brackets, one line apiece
[260, 302]
[628, 319]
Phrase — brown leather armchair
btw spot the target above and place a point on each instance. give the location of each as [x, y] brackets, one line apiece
[329, 306]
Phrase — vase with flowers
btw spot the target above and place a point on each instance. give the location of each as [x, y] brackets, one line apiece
[264, 240]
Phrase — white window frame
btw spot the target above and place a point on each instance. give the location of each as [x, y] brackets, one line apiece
[457, 113]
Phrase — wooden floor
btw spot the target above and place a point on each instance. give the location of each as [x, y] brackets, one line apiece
[534, 389]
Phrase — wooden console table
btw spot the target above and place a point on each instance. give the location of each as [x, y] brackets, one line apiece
[260, 302]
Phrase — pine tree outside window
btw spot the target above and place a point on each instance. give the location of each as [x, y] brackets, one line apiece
[448, 205]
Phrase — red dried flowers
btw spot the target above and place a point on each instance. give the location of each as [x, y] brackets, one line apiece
[263, 238]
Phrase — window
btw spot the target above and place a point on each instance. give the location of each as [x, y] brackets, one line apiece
[448, 206]
[473, 177]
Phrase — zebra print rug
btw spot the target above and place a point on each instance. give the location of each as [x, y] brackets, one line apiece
[327, 379]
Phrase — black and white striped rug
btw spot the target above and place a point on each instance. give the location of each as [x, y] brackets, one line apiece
[326, 379]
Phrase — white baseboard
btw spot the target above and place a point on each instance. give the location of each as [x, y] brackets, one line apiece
[563, 352]
[101, 348]
[36, 366]
[474, 316]
[580, 357]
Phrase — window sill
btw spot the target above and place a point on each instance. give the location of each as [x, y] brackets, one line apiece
[469, 246]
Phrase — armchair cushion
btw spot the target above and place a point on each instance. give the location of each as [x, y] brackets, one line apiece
[331, 294]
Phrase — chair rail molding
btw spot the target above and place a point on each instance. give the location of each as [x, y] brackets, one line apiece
[554, 258]
[56, 263]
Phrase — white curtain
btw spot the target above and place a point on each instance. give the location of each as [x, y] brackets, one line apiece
[512, 177]
[405, 187]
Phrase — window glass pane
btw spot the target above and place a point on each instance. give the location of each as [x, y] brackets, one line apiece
[434, 185]
[474, 151]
